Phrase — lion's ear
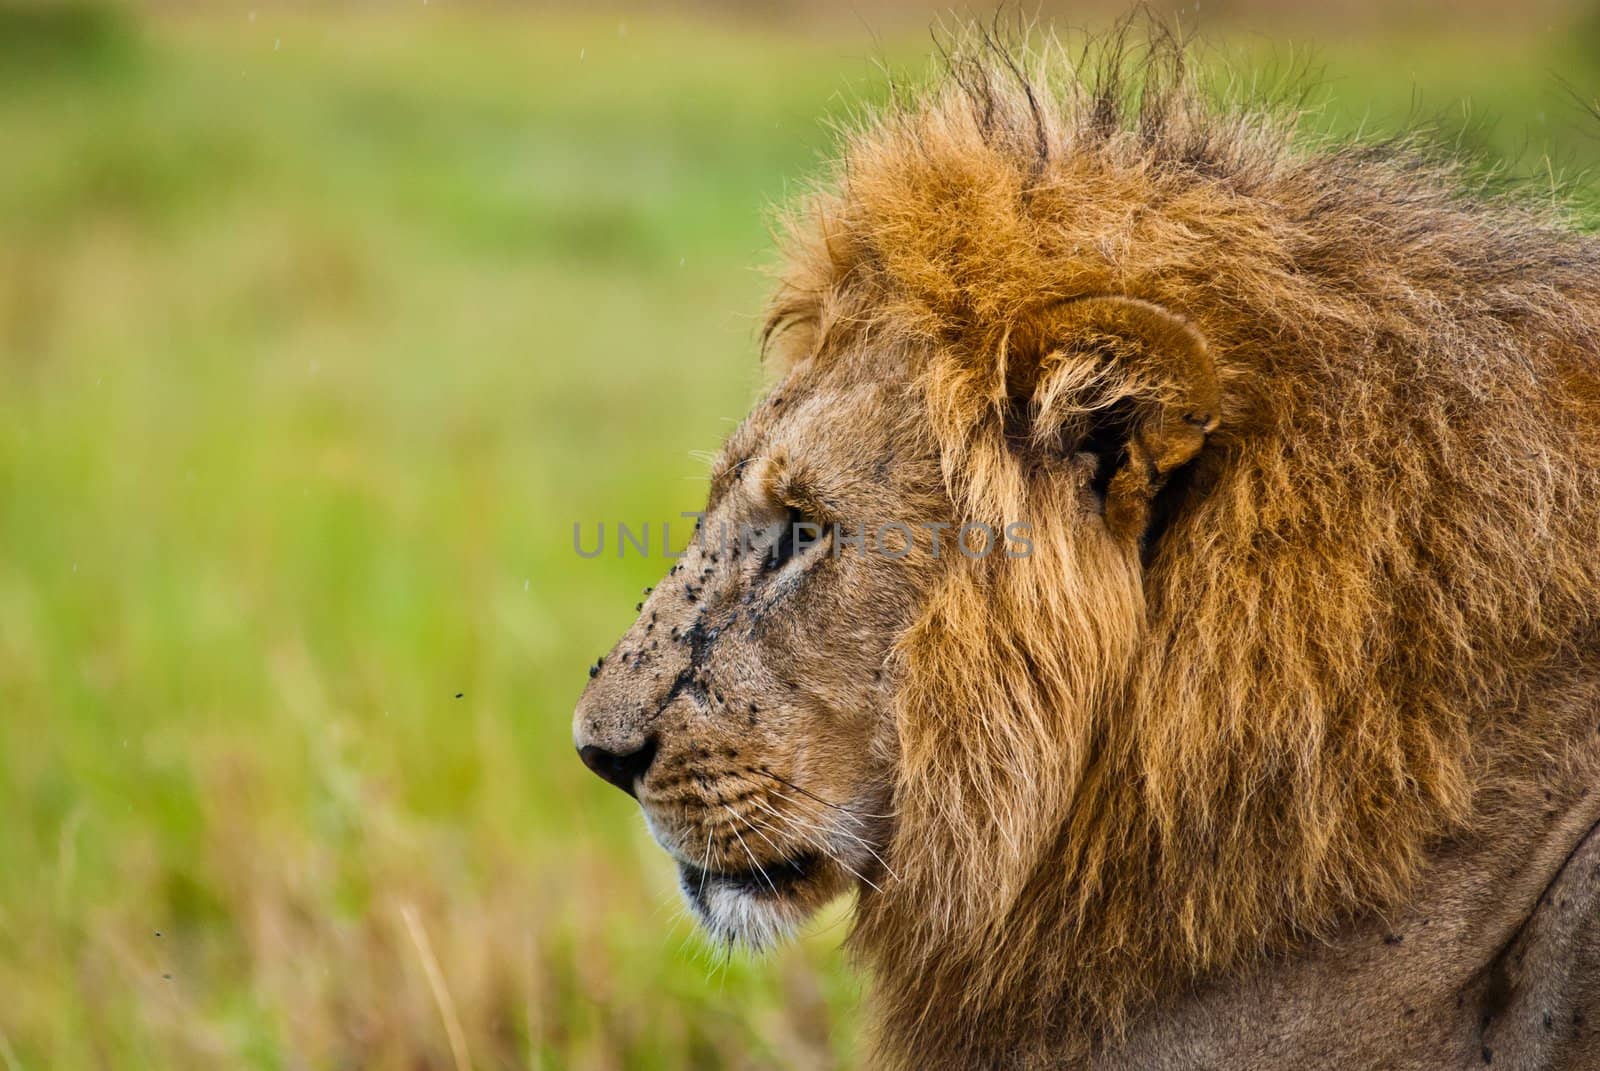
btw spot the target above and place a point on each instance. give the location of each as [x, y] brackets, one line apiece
[1128, 381]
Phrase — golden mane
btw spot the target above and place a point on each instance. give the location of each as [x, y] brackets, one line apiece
[1123, 771]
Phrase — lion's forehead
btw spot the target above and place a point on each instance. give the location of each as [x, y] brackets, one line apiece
[844, 439]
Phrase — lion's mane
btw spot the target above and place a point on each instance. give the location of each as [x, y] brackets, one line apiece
[1120, 773]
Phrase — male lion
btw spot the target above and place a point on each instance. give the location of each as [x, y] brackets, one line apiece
[1279, 750]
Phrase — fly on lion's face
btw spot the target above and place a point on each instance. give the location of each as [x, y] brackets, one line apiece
[748, 708]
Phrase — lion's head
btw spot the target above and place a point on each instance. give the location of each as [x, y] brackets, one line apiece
[1258, 413]
[760, 707]
[747, 707]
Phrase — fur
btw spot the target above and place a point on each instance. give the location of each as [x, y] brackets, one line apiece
[1127, 765]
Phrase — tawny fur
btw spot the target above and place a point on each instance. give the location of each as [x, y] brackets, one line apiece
[1119, 776]
[1308, 436]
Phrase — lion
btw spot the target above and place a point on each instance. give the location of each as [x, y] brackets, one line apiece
[1272, 739]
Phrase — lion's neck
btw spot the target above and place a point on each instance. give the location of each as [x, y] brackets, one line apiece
[1066, 975]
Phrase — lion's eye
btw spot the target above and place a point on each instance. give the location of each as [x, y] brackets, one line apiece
[799, 533]
[782, 548]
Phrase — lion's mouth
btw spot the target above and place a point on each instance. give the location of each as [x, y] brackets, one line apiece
[775, 880]
[765, 904]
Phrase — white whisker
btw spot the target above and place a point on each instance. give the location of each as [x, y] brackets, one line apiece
[812, 834]
[705, 867]
[868, 848]
[748, 853]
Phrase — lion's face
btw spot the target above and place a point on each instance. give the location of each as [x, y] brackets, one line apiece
[749, 707]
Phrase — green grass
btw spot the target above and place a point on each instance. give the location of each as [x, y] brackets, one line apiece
[317, 334]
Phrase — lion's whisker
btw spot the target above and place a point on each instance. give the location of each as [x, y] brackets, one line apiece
[812, 795]
[827, 851]
[705, 867]
[812, 834]
[847, 833]
[748, 853]
[809, 832]
[756, 827]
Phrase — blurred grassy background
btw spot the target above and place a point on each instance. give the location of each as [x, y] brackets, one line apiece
[319, 328]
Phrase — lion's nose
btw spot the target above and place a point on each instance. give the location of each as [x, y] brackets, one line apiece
[622, 770]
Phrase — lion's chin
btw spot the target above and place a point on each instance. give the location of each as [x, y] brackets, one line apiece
[759, 907]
